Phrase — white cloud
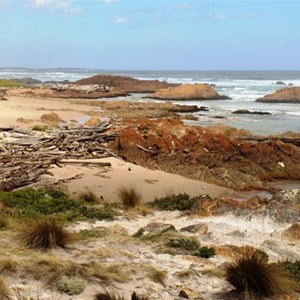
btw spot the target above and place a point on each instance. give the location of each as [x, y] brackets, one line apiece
[217, 16]
[63, 5]
[120, 21]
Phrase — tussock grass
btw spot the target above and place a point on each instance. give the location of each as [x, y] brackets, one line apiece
[89, 197]
[112, 295]
[129, 196]
[45, 234]
[253, 278]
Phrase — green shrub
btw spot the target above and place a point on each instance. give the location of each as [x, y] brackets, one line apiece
[41, 128]
[101, 212]
[180, 202]
[71, 285]
[205, 252]
[254, 278]
[293, 269]
[184, 242]
[34, 203]
[263, 254]
[44, 234]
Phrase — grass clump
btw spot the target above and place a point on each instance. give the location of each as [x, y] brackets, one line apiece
[156, 275]
[129, 196]
[92, 233]
[71, 285]
[205, 252]
[184, 242]
[41, 128]
[89, 197]
[45, 234]
[179, 202]
[254, 278]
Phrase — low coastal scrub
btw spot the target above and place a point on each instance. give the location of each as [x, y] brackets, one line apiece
[179, 202]
[205, 252]
[41, 128]
[71, 285]
[9, 83]
[253, 278]
[129, 196]
[45, 234]
[35, 203]
[293, 269]
[184, 242]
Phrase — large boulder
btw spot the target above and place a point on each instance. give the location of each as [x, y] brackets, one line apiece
[286, 95]
[188, 92]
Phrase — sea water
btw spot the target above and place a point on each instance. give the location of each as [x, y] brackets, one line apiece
[243, 87]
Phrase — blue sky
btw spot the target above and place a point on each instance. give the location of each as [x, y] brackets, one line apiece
[151, 34]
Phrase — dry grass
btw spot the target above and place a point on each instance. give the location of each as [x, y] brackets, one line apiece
[156, 275]
[143, 210]
[89, 197]
[4, 292]
[45, 234]
[8, 265]
[129, 196]
[254, 278]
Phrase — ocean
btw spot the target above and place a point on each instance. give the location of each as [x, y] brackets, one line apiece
[244, 87]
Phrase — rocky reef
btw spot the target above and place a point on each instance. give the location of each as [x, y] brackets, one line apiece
[126, 84]
[188, 92]
[286, 95]
[220, 155]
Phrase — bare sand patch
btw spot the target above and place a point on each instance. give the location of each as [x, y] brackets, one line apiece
[150, 183]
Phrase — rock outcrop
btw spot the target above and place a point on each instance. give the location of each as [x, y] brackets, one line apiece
[188, 92]
[254, 207]
[286, 95]
[126, 84]
[248, 112]
[216, 155]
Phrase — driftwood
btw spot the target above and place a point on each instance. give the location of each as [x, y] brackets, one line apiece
[25, 155]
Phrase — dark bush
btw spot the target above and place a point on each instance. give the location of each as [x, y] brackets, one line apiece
[254, 278]
[180, 202]
[205, 252]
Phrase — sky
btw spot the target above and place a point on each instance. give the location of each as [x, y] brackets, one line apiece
[151, 34]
